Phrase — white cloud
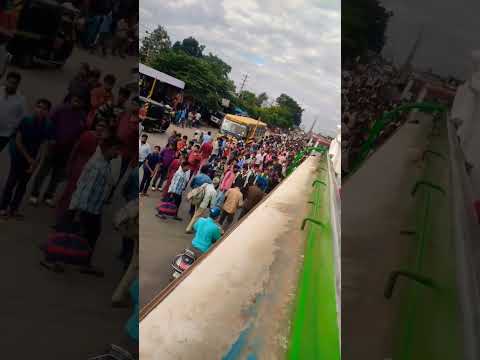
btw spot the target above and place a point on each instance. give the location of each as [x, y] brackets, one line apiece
[286, 46]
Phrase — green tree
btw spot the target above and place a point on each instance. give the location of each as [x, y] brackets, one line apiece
[292, 107]
[190, 46]
[364, 23]
[263, 97]
[222, 67]
[201, 77]
[276, 116]
[154, 43]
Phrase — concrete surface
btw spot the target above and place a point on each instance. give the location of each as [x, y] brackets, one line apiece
[239, 296]
[376, 206]
[44, 314]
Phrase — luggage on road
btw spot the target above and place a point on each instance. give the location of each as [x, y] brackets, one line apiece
[167, 208]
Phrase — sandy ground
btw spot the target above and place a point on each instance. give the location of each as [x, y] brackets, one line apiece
[44, 314]
[160, 240]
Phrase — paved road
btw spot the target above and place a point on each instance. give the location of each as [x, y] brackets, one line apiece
[376, 207]
[160, 239]
[48, 315]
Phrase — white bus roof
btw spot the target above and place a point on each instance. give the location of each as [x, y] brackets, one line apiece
[146, 70]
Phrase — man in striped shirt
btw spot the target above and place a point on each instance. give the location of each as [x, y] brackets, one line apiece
[178, 185]
[93, 188]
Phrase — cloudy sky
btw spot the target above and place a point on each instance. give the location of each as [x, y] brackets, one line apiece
[451, 32]
[285, 46]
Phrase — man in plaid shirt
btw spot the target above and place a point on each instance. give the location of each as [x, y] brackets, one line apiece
[178, 185]
[92, 191]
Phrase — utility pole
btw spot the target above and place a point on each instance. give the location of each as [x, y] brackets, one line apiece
[243, 84]
[313, 126]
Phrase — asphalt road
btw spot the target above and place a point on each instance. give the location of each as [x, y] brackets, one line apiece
[160, 240]
[44, 314]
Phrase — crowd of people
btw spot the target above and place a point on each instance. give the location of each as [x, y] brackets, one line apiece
[368, 91]
[73, 143]
[220, 177]
[110, 27]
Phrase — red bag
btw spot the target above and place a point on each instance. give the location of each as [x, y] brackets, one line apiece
[68, 249]
[167, 208]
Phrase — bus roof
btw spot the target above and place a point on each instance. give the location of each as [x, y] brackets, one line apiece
[245, 120]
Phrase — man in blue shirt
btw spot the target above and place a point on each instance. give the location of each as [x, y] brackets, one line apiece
[27, 148]
[150, 167]
[207, 232]
[201, 178]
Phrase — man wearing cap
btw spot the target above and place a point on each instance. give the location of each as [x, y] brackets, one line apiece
[210, 192]
[207, 232]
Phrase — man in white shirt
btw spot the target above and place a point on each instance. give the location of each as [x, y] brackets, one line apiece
[198, 116]
[210, 192]
[12, 108]
[144, 149]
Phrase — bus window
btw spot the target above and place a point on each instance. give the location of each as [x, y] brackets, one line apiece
[234, 129]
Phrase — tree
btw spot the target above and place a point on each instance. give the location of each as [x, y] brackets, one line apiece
[364, 23]
[223, 68]
[276, 116]
[201, 77]
[154, 43]
[261, 99]
[190, 46]
[292, 107]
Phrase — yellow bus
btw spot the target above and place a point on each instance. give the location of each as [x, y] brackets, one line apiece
[243, 128]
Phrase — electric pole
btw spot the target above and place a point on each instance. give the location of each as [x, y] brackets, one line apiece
[243, 84]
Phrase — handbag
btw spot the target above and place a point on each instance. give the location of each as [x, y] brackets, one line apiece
[67, 248]
[167, 208]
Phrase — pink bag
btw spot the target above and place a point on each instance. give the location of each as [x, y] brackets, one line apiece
[167, 208]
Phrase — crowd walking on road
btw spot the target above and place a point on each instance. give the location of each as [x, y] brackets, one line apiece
[62, 157]
[222, 179]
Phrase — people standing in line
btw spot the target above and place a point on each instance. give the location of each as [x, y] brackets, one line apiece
[190, 117]
[150, 168]
[255, 194]
[27, 149]
[167, 155]
[101, 95]
[207, 137]
[195, 159]
[233, 201]
[80, 83]
[121, 37]
[122, 100]
[67, 124]
[172, 169]
[81, 154]
[229, 178]
[104, 34]
[144, 149]
[178, 185]
[12, 108]
[127, 132]
[197, 119]
[206, 151]
[91, 194]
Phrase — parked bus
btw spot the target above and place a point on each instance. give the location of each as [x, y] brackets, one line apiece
[243, 128]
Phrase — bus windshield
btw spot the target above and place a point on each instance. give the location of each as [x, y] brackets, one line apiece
[234, 128]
